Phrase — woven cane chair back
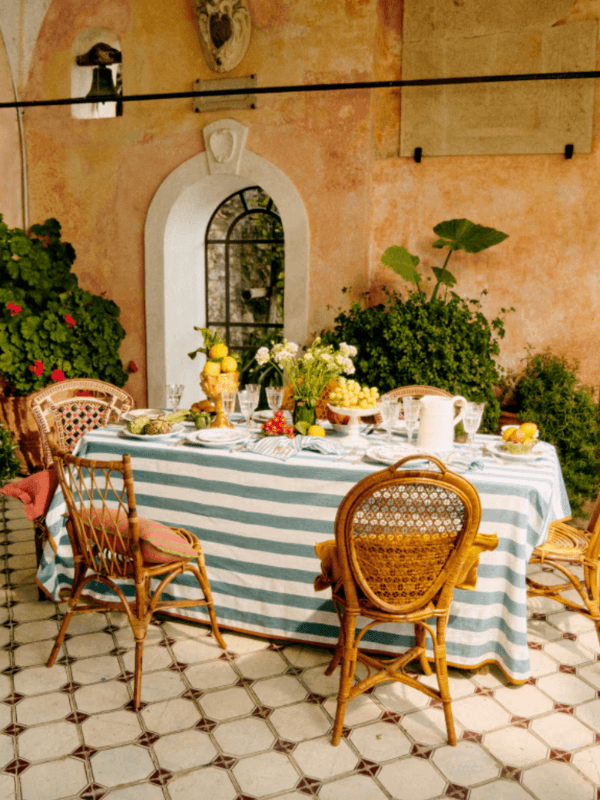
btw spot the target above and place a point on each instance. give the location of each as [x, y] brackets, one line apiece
[67, 410]
[99, 496]
[417, 391]
[406, 535]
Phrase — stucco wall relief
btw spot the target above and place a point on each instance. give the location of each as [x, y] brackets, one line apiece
[224, 27]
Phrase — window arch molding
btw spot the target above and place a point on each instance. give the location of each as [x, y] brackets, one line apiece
[174, 235]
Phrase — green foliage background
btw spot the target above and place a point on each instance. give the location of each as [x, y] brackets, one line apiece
[35, 274]
[9, 463]
[445, 342]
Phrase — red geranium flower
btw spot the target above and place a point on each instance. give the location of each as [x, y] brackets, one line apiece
[38, 368]
[69, 320]
[13, 308]
[58, 375]
[132, 367]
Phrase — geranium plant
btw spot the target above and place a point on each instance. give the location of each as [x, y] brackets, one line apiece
[51, 328]
[308, 373]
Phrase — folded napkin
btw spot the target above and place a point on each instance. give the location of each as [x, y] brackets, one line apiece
[36, 492]
[463, 462]
[283, 448]
[320, 444]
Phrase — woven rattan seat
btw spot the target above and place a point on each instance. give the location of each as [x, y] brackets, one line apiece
[404, 539]
[417, 391]
[108, 546]
[565, 547]
[66, 410]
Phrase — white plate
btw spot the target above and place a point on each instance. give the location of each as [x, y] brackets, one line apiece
[177, 428]
[141, 412]
[499, 449]
[390, 454]
[217, 437]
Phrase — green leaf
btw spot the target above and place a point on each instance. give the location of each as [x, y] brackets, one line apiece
[461, 234]
[443, 276]
[402, 263]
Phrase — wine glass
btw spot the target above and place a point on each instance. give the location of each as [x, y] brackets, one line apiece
[274, 397]
[389, 409]
[247, 405]
[411, 407]
[253, 389]
[228, 404]
[471, 422]
[174, 392]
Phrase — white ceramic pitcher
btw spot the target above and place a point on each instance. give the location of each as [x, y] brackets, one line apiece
[437, 421]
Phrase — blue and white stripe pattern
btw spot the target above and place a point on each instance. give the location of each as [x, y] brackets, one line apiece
[258, 520]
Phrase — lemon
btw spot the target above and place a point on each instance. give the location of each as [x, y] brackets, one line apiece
[211, 368]
[519, 436]
[529, 429]
[218, 351]
[228, 364]
[315, 430]
[508, 433]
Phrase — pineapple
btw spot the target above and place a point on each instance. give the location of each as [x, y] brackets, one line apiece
[137, 424]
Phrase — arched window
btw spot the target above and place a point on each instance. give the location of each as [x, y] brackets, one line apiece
[244, 269]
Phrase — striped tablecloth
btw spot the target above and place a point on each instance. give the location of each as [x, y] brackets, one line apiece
[259, 518]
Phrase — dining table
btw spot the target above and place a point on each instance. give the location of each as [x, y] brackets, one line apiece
[259, 517]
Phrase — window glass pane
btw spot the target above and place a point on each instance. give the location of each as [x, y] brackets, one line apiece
[256, 197]
[224, 217]
[253, 226]
[247, 337]
[215, 265]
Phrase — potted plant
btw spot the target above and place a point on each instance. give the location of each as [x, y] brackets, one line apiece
[438, 340]
[50, 328]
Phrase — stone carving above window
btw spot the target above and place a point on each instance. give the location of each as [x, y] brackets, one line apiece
[224, 141]
[224, 27]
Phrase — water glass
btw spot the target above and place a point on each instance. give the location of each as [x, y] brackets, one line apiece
[471, 422]
[247, 405]
[174, 392]
[411, 407]
[228, 403]
[274, 397]
[253, 389]
[389, 408]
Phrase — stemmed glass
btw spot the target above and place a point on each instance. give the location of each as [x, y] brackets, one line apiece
[274, 397]
[228, 404]
[411, 407]
[389, 408]
[253, 389]
[247, 404]
[174, 392]
[471, 422]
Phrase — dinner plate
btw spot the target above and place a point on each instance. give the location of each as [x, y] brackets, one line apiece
[177, 428]
[140, 412]
[217, 437]
[499, 449]
[390, 454]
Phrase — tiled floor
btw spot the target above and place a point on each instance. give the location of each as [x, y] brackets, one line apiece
[255, 722]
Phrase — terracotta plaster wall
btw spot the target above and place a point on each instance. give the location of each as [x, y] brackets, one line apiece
[98, 177]
[10, 158]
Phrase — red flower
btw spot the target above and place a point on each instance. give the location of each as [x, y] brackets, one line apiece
[13, 308]
[58, 375]
[69, 320]
[82, 393]
[38, 368]
[132, 367]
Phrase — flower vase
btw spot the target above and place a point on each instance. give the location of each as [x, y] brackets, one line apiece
[304, 413]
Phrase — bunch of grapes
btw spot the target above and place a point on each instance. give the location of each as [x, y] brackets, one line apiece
[351, 394]
[278, 426]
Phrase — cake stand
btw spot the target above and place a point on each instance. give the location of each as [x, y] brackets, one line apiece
[352, 437]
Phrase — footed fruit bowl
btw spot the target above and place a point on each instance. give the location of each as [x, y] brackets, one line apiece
[351, 430]
[212, 386]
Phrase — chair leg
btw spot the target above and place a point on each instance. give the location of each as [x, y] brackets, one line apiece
[346, 678]
[441, 667]
[73, 600]
[137, 677]
[205, 586]
[420, 636]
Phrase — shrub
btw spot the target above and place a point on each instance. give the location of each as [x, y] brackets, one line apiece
[9, 463]
[549, 393]
[50, 328]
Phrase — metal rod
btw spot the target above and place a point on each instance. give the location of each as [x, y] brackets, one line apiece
[321, 87]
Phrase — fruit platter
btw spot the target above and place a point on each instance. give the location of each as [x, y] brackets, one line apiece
[144, 425]
[521, 439]
[350, 401]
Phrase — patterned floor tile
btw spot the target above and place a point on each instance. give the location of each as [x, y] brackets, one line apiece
[243, 737]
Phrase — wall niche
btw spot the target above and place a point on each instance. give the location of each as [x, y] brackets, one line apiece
[96, 73]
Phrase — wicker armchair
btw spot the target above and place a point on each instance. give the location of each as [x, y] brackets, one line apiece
[67, 410]
[404, 540]
[567, 547]
[111, 543]
[417, 391]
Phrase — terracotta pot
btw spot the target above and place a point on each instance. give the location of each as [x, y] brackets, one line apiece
[16, 416]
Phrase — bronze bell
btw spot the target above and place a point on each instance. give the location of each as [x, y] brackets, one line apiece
[103, 88]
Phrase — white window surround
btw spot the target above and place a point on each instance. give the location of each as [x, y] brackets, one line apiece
[175, 262]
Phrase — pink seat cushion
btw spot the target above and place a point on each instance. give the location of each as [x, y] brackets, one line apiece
[159, 543]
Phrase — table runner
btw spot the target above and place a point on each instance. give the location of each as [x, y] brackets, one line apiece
[258, 520]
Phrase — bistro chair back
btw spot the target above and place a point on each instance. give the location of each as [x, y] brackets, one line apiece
[134, 558]
[405, 538]
[574, 554]
[67, 410]
[417, 391]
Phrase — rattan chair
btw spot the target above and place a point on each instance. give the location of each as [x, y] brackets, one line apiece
[65, 411]
[565, 548]
[417, 391]
[111, 543]
[404, 540]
